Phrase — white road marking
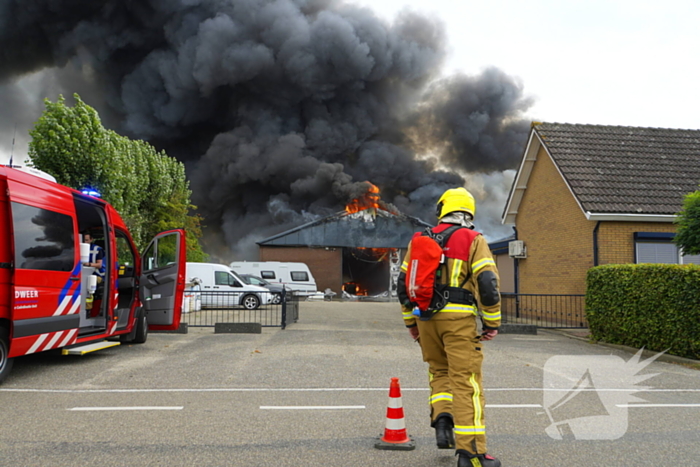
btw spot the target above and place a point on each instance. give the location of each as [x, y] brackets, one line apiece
[311, 407]
[656, 405]
[99, 409]
[301, 390]
[176, 390]
[633, 389]
[512, 406]
[192, 390]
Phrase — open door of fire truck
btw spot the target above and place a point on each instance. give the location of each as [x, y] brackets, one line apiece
[162, 281]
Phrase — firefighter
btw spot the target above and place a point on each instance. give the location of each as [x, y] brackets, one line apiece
[450, 341]
[97, 257]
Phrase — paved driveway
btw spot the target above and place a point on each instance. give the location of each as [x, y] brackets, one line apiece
[316, 394]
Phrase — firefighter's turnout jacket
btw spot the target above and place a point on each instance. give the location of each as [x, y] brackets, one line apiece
[450, 342]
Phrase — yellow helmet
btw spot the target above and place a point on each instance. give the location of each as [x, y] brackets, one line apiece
[456, 199]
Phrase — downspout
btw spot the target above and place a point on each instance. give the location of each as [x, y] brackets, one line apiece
[516, 274]
[595, 244]
[516, 279]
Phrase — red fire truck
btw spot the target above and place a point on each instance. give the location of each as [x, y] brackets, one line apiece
[47, 299]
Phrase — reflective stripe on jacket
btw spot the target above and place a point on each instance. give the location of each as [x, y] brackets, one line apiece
[466, 264]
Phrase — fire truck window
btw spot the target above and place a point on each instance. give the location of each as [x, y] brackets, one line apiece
[125, 256]
[43, 239]
[300, 276]
[161, 253]
[267, 274]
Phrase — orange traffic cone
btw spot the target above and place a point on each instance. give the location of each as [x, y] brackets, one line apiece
[395, 437]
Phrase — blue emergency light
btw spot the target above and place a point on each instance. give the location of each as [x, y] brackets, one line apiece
[91, 192]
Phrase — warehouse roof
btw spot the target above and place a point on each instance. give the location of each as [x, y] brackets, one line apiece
[370, 228]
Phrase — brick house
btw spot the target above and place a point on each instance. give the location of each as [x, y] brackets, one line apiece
[587, 195]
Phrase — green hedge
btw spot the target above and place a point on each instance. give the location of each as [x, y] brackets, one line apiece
[655, 306]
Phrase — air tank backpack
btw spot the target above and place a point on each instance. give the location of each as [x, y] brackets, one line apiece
[422, 277]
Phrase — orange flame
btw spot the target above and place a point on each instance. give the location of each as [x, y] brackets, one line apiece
[369, 200]
[376, 254]
[354, 288]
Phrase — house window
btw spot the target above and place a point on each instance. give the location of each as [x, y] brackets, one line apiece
[658, 248]
[652, 252]
[690, 259]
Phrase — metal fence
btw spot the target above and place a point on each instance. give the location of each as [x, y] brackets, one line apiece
[546, 311]
[206, 309]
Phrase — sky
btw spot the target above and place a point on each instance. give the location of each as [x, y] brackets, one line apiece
[610, 62]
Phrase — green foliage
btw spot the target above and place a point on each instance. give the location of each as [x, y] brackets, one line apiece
[68, 143]
[148, 188]
[654, 306]
[688, 236]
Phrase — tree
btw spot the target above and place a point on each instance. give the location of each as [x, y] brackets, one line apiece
[148, 188]
[688, 221]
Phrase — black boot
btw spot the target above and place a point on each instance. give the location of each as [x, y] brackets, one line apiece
[476, 460]
[444, 434]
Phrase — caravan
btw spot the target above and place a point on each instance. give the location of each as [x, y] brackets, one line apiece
[295, 276]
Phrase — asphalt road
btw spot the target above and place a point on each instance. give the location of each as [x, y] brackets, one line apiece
[316, 394]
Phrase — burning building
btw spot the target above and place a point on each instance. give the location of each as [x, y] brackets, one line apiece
[276, 108]
[356, 252]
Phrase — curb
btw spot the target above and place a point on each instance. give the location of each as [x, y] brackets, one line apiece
[506, 328]
[645, 353]
[237, 328]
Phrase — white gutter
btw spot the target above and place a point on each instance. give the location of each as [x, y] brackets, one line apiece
[595, 216]
[521, 178]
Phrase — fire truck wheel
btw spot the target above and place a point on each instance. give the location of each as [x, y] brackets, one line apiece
[141, 330]
[251, 302]
[5, 363]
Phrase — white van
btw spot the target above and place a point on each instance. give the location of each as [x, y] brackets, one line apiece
[296, 276]
[221, 287]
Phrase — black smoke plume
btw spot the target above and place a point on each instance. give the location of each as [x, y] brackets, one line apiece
[281, 110]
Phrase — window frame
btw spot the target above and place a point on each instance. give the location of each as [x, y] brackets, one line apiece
[642, 238]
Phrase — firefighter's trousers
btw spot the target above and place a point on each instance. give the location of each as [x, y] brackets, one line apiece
[452, 349]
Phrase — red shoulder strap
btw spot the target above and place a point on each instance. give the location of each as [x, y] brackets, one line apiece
[460, 243]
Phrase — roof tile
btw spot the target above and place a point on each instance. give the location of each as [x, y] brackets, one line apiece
[616, 169]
